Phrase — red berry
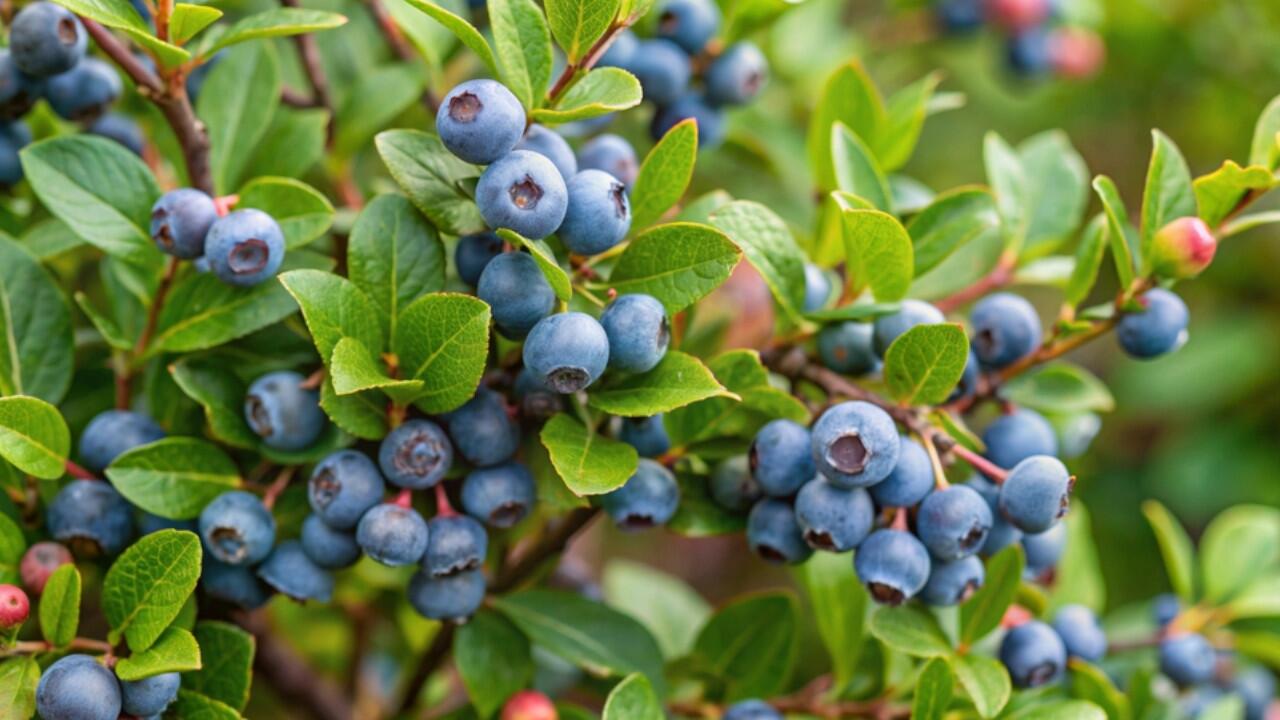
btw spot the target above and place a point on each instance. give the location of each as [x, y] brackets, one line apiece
[1076, 52]
[14, 607]
[1014, 616]
[39, 562]
[1183, 248]
[529, 705]
[1016, 15]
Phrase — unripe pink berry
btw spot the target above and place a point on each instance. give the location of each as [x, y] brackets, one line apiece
[1076, 52]
[39, 562]
[529, 705]
[1016, 15]
[1183, 248]
[14, 607]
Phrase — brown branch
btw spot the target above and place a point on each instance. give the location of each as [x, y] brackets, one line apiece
[399, 46]
[78, 472]
[588, 61]
[793, 363]
[1000, 275]
[296, 99]
[297, 683]
[312, 65]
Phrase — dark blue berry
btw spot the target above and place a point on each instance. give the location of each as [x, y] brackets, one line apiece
[689, 23]
[180, 220]
[909, 315]
[499, 496]
[781, 461]
[737, 76]
[90, 517]
[710, 120]
[893, 565]
[621, 51]
[832, 518]
[46, 39]
[953, 522]
[1080, 632]
[286, 415]
[1005, 328]
[647, 499]
[1028, 52]
[911, 479]
[638, 332]
[1159, 329]
[517, 292]
[663, 70]
[1033, 654]
[549, 143]
[78, 687]
[1021, 434]
[482, 430]
[751, 710]
[598, 216]
[855, 444]
[473, 253]
[952, 583]
[537, 401]
[245, 248]
[732, 486]
[415, 455]
[237, 528]
[84, 92]
[960, 16]
[647, 435]
[568, 351]
[150, 696]
[480, 121]
[235, 584]
[392, 535]
[327, 547]
[112, 433]
[455, 544]
[343, 487]
[1165, 608]
[455, 597]
[1036, 494]
[846, 347]
[612, 154]
[523, 192]
[1187, 659]
[14, 136]
[289, 571]
[18, 90]
[1044, 549]
[774, 533]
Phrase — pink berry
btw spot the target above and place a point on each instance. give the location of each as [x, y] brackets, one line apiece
[14, 607]
[529, 705]
[1183, 248]
[39, 562]
[1076, 52]
[1016, 15]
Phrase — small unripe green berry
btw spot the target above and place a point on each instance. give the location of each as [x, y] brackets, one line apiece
[1182, 249]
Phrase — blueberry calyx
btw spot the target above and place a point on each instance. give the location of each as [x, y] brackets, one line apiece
[465, 107]
[848, 453]
[248, 256]
[568, 379]
[526, 193]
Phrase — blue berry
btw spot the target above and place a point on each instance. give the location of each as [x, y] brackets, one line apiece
[537, 401]
[780, 458]
[245, 248]
[612, 154]
[415, 455]
[689, 23]
[78, 687]
[1187, 659]
[14, 136]
[392, 535]
[112, 433]
[85, 91]
[482, 431]
[909, 315]
[952, 583]
[549, 143]
[455, 544]
[751, 710]
[1028, 52]
[893, 564]
[148, 523]
[1160, 328]
[732, 486]
[180, 220]
[46, 39]
[517, 292]
[846, 347]
[774, 533]
[953, 523]
[710, 120]
[18, 90]
[91, 517]
[150, 696]
[237, 528]
[289, 571]
[638, 332]
[621, 51]
[599, 213]
[480, 121]
[647, 435]
[1036, 494]
[1165, 608]
[343, 487]
[329, 548]
[1034, 654]
[832, 518]
[282, 412]
[910, 480]
[473, 253]
[737, 76]
[456, 597]
[663, 70]
[1021, 434]
[1044, 549]
[567, 351]
[1258, 687]
[817, 287]
[960, 16]
[499, 496]
[1080, 632]
[1005, 329]
[968, 384]
[855, 444]
[523, 192]
[1002, 535]
[235, 584]
[648, 498]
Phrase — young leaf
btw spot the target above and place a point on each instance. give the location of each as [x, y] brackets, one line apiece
[677, 381]
[303, 213]
[839, 605]
[431, 177]
[395, 256]
[1060, 387]
[751, 644]
[1008, 180]
[677, 263]
[578, 24]
[523, 44]
[221, 394]
[187, 20]
[228, 663]
[849, 97]
[60, 606]
[1091, 683]
[985, 680]
[18, 679]
[1220, 192]
[34, 437]
[856, 169]
[665, 604]
[175, 651]
[494, 660]
[1265, 150]
[599, 92]
[632, 699]
[1175, 548]
[588, 463]
[933, 691]
[664, 174]
[951, 220]
[1169, 194]
[770, 247]
[36, 344]
[363, 415]
[277, 22]
[1241, 543]
[148, 584]
[741, 373]
[122, 16]
[982, 613]
[443, 341]
[878, 254]
[353, 369]
[334, 308]
[546, 259]
[463, 30]
[12, 546]
[1119, 233]
[1057, 191]
[236, 103]
[174, 477]
[911, 630]
[925, 363]
[1089, 254]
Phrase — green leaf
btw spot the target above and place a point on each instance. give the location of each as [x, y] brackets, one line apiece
[904, 119]
[1078, 578]
[950, 221]
[849, 97]
[36, 344]
[302, 131]
[395, 256]
[174, 477]
[1175, 548]
[599, 92]
[363, 415]
[751, 645]
[546, 259]
[148, 584]
[664, 174]
[104, 324]
[1240, 544]
[985, 680]
[911, 630]
[494, 660]
[1057, 191]
[1060, 387]
[121, 15]
[221, 394]
[1118, 229]
[982, 613]
[1008, 180]
[187, 20]
[303, 213]
[34, 437]
[677, 381]
[523, 45]
[1089, 682]
[588, 463]
[632, 699]
[1169, 194]
[193, 706]
[18, 679]
[933, 691]
[228, 663]
[878, 254]
[856, 170]
[1088, 261]
[586, 633]
[334, 308]
[1219, 193]
[99, 189]
[578, 24]
[353, 369]
[432, 179]
[769, 246]
[1265, 150]
[461, 29]
[741, 373]
[237, 101]
[665, 604]
[376, 100]
[443, 340]
[925, 363]
[839, 605]
[175, 651]
[678, 264]
[12, 547]
[277, 22]
[60, 606]
[698, 514]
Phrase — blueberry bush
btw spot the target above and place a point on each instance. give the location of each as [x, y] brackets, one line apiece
[328, 331]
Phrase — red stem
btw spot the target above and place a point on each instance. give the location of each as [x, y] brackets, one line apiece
[404, 498]
[981, 464]
[1000, 275]
[443, 507]
[78, 472]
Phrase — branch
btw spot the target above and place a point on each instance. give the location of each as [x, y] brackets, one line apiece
[291, 676]
[793, 363]
[312, 65]
[588, 61]
[399, 46]
[1000, 275]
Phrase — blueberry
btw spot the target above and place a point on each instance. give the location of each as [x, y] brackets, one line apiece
[14, 136]
[953, 523]
[1036, 494]
[1258, 687]
[18, 90]
[78, 687]
[150, 696]
[499, 496]
[180, 220]
[1043, 550]
[774, 533]
[39, 562]
[455, 544]
[1028, 52]
[968, 384]
[909, 315]
[648, 498]
[909, 481]
[817, 287]
[751, 710]
[1160, 328]
[289, 571]
[736, 77]
[567, 351]
[480, 121]
[1021, 434]
[855, 444]
[846, 347]
[960, 16]
[1165, 608]
[245, 247]
[612, 154]
[415, 455]
[663, 70]
[952, 583]
[84, 92]
[237, 528]
[482, 431]
[832, 518]
[599, 213]
[456, 597]
[329, 548]
[1002, 535]
[1034, 654]
[710, 120]
[517, 292]
[473, 253]
[148, 523]
[537, 401]
[1080, 632]
[235, 584]
[282, 412]
[689, 23]
[1187, 659]
[780, 458]
[549, 143]
[647, 435]
[392, 535]
[112, 433]
[523, 192]
[90, 517]
[732, 486]
[343, 487]
[46, 39]
[1197, 700]
[122, 129]
[621, 51]
[893, 564]
[639, 332]
[1005, 329]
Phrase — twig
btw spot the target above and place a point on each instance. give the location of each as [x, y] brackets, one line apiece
[312, 65]
[153, 313]
[1000, 275]
[278, 486]
[981, 464]
[588, 61]
[78, 472]
[793, 363]
[297, 683]
[399, 46]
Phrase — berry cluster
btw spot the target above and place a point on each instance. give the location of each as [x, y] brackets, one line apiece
[1037, 42]
[242, 248]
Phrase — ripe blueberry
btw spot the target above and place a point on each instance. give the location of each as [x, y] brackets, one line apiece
[78, 687]
[1165, 608]
[112, 433]
[1080, 632]
[737, 76]
[415, 455]
[710, 120]
[456, 597]
[567, 351]
[289, 571]
[689, 23]
[282, 412]
[482, 430]
[893, 564]
[1002, 533]
[85, 91]
[150, 696]
[499, 496]
[245, 248]
[1034, 654]
[1005, 328]
[1021, 434]
[909, 315]
[180, 220]
[517, 292]
[647, 435]
[960, 16]
[46, 39]
[550, 144]
[817, 287]
[621, 51]
[598, 216]
[473, 253]
[855, 444]
[39, 562]
[1159, 329]
[968, 384]
[18, 90]
[14, 136]
[648, 498]
[343, 487]
[1028, 52]
[638, 332]
[122, 129]
[910, 480]
[832, 518]
[953, 523]
[774, 533]
[1258, 687]
[148, 523]
[480, 121]
[1187, 659]
[612, 154]
[846, 347]
[237, 528]
[392, 535]
[235, 584]
[780, 458]
[15, 607]
[523, 192]
[1036, 494]
[751, 710]
[663, 70]
[529, 705]
[455, 544]
[537, 401]
[90, 517]
[952, 583]
[1044, 549]
[329, 548]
